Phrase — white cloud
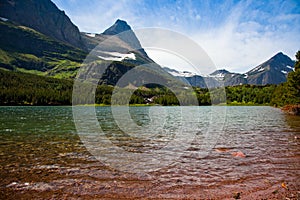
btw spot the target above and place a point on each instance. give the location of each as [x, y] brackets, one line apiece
[175, 50]
[168, 59]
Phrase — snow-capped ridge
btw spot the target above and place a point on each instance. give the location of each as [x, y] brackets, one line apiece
[219, 73]
[174, 72]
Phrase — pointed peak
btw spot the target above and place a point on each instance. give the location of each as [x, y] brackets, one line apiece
[280, 57]
[220, 71]
[279, 54]
[120, 21]
[118, 27]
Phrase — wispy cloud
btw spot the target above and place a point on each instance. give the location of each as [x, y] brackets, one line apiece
[237, 35]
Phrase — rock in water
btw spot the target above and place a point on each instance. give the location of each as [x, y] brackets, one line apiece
[238, 154]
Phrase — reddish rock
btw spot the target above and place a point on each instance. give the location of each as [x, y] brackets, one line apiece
[292, 109]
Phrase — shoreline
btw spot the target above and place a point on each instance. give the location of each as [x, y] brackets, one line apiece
[292, 109]
[134, 105]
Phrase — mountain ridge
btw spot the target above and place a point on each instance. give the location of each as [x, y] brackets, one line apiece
[272, 71]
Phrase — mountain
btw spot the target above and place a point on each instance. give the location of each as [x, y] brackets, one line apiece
[220, 73]
[122, 30]
[228, 78]
[118, 27]
[272, 71]
[44, 17]
[117, 43]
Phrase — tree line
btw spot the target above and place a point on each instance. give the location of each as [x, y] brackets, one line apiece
[28, 89]
[288, 93]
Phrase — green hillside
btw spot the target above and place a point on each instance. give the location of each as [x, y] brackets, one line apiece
[24, 49]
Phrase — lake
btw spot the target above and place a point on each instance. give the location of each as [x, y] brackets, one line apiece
[213, 152]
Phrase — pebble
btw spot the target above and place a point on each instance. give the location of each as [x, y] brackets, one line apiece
[238, 154]
[237, 195]
[12, 184]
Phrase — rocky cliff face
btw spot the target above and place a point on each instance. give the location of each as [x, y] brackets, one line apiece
[43, 16]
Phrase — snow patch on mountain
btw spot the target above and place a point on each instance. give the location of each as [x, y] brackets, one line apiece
[258, 69]
[261, 69]
[116, 56]
[182, 74]
[219, 75]
[3, 19]
[174, 72]
[90, 34]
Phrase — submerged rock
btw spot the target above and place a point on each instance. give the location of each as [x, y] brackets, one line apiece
[238, 154]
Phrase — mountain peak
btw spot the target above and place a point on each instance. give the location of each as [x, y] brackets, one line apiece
[120, 21]
[280, 56]
[220, 71]
[118, 27]
[272, 71]
[219, 74]
[123, 31]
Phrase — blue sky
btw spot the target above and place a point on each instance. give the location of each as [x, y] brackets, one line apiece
[237, 35]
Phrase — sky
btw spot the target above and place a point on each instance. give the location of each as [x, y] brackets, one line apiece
[236, 35]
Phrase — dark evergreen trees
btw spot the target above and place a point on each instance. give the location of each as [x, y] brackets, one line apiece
[289, 92]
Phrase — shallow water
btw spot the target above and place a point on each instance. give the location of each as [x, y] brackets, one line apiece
[43, 156]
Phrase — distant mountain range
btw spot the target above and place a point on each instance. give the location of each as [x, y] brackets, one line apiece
[36, 37]
[272, 71]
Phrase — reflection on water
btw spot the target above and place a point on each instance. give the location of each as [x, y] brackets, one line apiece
[42, 156]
